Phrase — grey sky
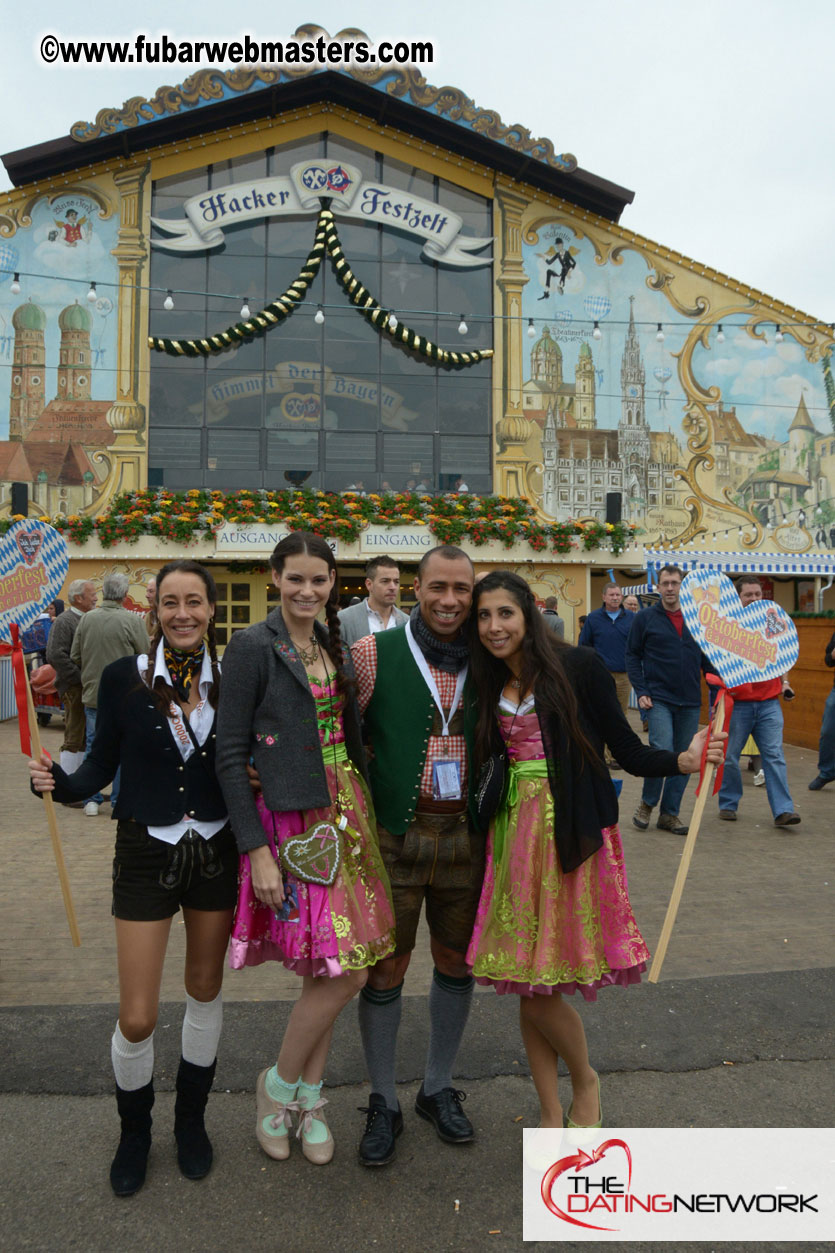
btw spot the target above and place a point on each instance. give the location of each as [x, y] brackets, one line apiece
[718, 116]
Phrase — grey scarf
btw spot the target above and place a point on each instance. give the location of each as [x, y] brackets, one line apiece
[450, 655]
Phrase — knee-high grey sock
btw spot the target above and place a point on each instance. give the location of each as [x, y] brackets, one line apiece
[449, 1008]
[202, 1023]
[379, 1015]
[133, 1064]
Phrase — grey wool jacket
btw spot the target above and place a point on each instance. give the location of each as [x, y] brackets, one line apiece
[267, 713]
[353, 622]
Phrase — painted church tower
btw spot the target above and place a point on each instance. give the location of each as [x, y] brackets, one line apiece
[74, 360]
[28, 391]
[546, 362]
[633, 430]
[584, 390]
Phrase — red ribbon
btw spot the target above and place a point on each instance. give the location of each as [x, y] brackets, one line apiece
[19, 675]
[725, 701]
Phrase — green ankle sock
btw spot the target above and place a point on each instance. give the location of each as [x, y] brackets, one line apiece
[308, 1095]
[278, 1089]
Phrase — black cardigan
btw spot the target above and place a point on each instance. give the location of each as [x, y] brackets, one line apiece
[585, 800]
[157, 787]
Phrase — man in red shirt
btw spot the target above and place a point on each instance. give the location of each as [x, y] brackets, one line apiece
[757, 712]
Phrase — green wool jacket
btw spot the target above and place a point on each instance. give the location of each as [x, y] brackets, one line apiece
[398, 721]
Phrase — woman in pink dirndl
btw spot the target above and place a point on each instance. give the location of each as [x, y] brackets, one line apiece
[554, 915]
[313, 892]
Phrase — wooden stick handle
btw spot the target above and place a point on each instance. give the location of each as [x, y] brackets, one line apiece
[689, 844]
[52, 823]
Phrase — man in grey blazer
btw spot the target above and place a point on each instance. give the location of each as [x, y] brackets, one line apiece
[378, 612]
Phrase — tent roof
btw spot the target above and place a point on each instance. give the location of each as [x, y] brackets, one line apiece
[210, 100]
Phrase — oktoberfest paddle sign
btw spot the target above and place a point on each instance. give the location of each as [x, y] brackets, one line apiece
[746, 644]
[33, 567]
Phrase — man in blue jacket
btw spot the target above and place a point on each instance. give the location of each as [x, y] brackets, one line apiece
[664, 665]
[606, 631]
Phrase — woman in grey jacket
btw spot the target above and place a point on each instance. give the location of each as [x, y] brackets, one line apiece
[325, 909]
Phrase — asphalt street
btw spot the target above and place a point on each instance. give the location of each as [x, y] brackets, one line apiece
[738, 1033]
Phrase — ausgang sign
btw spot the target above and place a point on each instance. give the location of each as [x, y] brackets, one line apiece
[209, 213]
[255, 539]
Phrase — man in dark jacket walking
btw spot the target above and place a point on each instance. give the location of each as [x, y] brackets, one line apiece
[664, 665]
[606, 630]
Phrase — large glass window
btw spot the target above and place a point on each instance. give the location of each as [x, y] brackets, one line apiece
[334, 400]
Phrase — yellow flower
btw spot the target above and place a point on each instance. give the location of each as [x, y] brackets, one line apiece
[44, 518]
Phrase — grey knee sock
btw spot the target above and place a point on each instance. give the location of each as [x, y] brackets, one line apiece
[449, 1008]
[133, 1064]
[202, 1023]
[379, 1015]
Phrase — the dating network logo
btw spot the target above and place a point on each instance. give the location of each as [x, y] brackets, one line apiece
[584, 1194]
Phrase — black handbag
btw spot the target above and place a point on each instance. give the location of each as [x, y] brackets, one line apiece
[492, 778]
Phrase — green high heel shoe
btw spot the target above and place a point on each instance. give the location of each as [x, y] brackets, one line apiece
[569, 1121]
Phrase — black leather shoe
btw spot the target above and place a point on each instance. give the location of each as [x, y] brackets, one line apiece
[382, 1127]
[444, 1110]
[818, 783]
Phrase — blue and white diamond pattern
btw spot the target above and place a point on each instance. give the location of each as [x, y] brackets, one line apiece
[51, 557]
[764, 617]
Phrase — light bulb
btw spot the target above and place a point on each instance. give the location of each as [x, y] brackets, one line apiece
[720, 335]
[319, 316]
[91, 295]
[393, 323]
[462, 326]
[531, 329]
[597, 333]
[245, 309]
[659, 334]
[779, 336]
[15, 287]
[168, 303]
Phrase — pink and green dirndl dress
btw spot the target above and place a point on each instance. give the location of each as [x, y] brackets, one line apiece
[537, 930]
[326, 930]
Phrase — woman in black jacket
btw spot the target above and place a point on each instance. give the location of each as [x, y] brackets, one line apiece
[554, 915]
[174, 848]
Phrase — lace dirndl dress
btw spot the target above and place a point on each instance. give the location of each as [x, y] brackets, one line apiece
[321, 930]
[538, 930]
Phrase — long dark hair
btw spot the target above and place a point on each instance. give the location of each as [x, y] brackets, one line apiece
[542, 671]
[305, 543]
[161, 692]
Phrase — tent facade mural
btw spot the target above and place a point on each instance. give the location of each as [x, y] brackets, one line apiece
[621, 371]
[707, 409]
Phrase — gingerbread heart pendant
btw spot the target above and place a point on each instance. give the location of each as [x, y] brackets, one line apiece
[314, 857]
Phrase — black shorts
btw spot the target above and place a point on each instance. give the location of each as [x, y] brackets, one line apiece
[152, 879]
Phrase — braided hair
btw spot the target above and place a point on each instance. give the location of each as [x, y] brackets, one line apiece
[305, 543]
[162, 694]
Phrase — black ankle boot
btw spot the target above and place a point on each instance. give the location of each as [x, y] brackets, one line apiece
[194, 1148]
[127, 1171]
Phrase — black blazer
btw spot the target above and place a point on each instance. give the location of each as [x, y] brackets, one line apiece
[585, 800]
[157, 787]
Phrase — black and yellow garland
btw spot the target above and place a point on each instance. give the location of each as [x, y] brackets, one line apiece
[326, 240]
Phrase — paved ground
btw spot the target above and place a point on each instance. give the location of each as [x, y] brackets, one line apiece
[737, 1033]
